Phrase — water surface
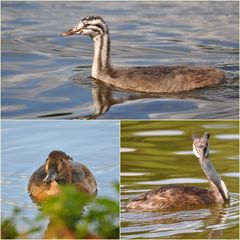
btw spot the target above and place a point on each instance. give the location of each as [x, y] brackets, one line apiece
[45, 76]
[26, 145]
[160, 153]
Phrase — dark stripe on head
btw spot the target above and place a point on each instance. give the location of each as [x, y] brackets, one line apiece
[90, 18]
[102, 27]
[96, 21]
[94, 28]
[97, 31]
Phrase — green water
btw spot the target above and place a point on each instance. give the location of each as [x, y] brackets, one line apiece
[156, 153]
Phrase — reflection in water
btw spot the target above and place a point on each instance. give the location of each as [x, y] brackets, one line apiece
[105, 96]
[178, 224]
[165, 105]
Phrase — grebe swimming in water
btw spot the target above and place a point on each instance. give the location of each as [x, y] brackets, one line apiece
[153, 79]
[183, 197]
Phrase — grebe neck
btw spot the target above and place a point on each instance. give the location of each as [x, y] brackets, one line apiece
[217, 186]
[102, 55]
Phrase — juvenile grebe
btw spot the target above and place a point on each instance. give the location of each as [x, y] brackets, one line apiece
[60, 169]
[153, 79]
[183, 197]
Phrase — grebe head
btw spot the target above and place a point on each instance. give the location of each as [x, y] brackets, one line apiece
[56, 166]
[201, 146]
[93, 26]
[201, 151]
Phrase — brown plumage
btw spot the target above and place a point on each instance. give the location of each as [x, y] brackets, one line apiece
[155, 79]
[164, 79]
[184, 197]
[164, 198]
[60, 169]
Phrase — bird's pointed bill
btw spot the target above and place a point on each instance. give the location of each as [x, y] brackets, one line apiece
[75, 30]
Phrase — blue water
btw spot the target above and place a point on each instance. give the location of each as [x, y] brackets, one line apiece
[26, 145]
[45, 76]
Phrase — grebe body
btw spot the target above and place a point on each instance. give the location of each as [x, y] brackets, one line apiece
[153, 79]
[185, 197]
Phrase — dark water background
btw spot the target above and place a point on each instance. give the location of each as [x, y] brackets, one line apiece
[26, 145]
[44, 75]
[158, 153]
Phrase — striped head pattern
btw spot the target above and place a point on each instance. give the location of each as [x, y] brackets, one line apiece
[92, 26]
[201, 146]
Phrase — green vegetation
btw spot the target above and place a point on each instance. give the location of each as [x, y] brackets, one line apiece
[72, 215]
[8, 229]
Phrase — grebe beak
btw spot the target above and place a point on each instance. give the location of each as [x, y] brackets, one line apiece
[51, 176]
[68, 33]
[75, 30]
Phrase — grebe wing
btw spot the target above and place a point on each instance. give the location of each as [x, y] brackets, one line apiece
[166, 191]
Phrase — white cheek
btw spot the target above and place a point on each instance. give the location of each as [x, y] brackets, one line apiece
[79, 26]
[195, 152]
[86, 32]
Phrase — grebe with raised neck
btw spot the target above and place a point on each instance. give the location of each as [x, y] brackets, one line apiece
[184, 197]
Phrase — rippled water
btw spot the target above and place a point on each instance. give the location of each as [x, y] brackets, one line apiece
[44, 76]
[157, 153]
[26, 144]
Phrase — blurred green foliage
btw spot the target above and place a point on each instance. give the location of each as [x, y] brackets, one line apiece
[72, 215]
[8, 229]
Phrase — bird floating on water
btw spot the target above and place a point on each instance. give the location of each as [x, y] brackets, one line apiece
[152, 79]
[185, 197]
[60, 169]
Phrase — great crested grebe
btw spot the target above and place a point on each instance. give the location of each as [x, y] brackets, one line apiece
[153, 79]
[183, 197]
[60, 169]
